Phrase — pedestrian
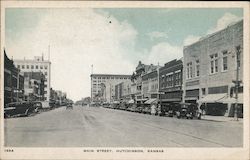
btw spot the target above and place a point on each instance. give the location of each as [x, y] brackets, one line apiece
[153, 109]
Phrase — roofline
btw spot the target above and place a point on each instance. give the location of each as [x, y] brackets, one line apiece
[212, 34]
[117, 75]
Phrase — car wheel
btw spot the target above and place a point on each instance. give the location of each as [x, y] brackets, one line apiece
[27, 112]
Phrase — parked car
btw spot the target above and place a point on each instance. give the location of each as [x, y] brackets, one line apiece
[69, 106]
[139, 109]
[19, 109]
[189, 111]
[131, 108]
[146, 110]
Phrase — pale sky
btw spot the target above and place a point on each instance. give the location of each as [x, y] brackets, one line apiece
[113, 40]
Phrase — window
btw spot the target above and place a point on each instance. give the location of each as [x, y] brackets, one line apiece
[27, 66]
[238, 51]
[32, 67]
[224, 61]
[189, 70]
[41, 67]
[203, 91]
[36, 66]
[45, 67]
[18, 66]
[23, 66]
[45, 73]
[197, 68]
[214, 63]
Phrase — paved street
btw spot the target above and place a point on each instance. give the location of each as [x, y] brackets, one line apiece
[102, 127]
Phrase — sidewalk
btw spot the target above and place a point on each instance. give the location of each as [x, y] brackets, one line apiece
[221, 118]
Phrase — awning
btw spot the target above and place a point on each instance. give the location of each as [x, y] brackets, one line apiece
[116, 102]
[171, 100]
[150, 101]
[212, 98]
[131, 101]
[232, 99]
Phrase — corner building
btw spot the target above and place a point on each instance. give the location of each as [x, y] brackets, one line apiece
[38, 64]
[210, 67]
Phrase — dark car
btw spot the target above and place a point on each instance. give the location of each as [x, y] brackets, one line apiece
[139, 109]
[188, 110]
[146, 110]
[69, 106]
[19, 109]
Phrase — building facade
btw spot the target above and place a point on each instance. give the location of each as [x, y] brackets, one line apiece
[123, 91]
[38, 64]
[34, 86]
[136, 81]
[103, 86]
[210, 67]
[13, 82]
[170, 82]
[150, 84]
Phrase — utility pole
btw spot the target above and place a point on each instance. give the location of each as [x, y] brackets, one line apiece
[237, 83]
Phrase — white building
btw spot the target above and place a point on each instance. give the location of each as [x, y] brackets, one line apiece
[103, 86]
[38, 64]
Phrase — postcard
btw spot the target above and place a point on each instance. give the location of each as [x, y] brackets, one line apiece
[124, 80]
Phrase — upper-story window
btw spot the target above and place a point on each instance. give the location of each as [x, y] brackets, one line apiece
[197, 68]
[214, 63]
[27, 66]
[23, 66]
[45, 67]
[224, 61]
[18, 66]
[189, 70]
[41, 67]
[36, 66]
[238, 53]
[32, 66]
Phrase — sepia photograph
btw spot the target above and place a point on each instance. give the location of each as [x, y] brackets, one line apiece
[124, 81]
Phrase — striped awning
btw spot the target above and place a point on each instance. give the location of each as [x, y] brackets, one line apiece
[232, 99]
[150, 101]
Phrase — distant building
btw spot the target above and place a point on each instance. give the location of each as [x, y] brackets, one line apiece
[34, 86]
[170, 82]
[123, 91]
[103, 86]
[38, 64]
[210, 68]
[13, 82]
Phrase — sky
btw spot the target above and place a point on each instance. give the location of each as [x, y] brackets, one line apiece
[113, 40]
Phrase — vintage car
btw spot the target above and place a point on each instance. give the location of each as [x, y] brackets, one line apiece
[146, 110]
[69, 106]
[139, 109]
[188, 110]
[19, 109]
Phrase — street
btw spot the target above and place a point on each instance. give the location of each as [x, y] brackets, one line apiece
[102, 127]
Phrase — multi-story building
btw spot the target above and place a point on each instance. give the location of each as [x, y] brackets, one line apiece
[170, 82]
[210, 67]
[38, 64]
[13, 82]
[150, 84]
[123, 91]
[136, 86]
[103, 86]
[34, 86]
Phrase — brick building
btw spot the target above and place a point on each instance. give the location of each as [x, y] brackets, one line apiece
[13, 82]
[210, 67]
[170, 82]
